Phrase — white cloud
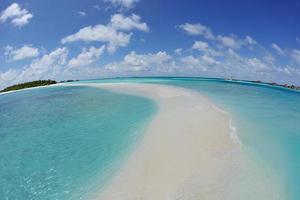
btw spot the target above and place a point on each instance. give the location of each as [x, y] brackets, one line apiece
[200, 45]
[228, 64]
[110, 33]
[249, 40]
[205, 48]
[120, 22]
[291, 71]
[125, 4]
[277, 49]
[256, 64]
[229, 41]
[201, 63]
[7, 78]
[296, 55]
[27, 51]
[196, 29]
[269, 58]
[134, 62]
[17, 16]
[190, 60]
[49, 66]
[178, 51]
[86, 57]
[81, 13]
[100, 33]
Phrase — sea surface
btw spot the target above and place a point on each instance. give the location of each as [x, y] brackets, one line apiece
[267, 122]
[52, 140]
[62, 143]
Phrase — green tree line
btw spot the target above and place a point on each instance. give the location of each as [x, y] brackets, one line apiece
[29, 85]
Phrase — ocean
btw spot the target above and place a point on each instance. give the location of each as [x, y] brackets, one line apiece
[52, 140]
[65, 142]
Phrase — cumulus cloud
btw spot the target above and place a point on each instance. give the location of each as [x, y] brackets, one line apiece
[201, 46]
[205, 48]
[25, 52]
[201, 63]
[120, 22]
[8, 77]
[229, 64]
[115, 33]
[196, 29]
[16, 15]
[134, 62]
[229, 42]
[86, 57]
[123, 4]
[48, 66]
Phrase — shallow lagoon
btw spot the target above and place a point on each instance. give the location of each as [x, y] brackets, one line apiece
[63, 142]
[267, 120]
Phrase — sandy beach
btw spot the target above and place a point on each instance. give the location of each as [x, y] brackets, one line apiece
[32, 88]
[188, 152]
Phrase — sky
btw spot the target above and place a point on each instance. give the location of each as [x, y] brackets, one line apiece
[75, 39]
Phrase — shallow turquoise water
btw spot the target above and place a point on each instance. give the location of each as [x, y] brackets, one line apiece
[64, 142]
[53, 140]
[267, 119]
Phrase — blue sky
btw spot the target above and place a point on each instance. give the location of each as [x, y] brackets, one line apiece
[104, 38]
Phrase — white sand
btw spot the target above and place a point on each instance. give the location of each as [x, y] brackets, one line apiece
[187, 153]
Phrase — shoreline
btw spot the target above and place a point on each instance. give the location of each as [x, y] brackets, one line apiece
[31, 88]
[188, 151]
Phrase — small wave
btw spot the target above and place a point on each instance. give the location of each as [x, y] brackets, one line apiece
[233, 131]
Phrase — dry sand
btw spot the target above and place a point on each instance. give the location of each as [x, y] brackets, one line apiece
[187, 153]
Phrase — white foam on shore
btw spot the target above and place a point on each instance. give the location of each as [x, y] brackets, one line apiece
[233, 133]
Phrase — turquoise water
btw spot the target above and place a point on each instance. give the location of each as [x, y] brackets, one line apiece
[267, 119]
[53, 140]
[64, 142]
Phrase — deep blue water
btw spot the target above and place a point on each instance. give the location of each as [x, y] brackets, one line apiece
[63, 142]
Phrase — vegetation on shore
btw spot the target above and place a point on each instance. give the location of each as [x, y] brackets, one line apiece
[292, 87]
[29, 85]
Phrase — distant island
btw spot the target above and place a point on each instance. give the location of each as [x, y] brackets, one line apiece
[51, 82]
[292, 87]
[29, 85]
